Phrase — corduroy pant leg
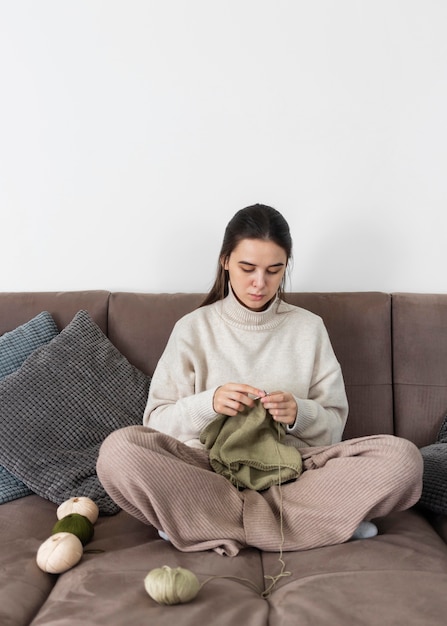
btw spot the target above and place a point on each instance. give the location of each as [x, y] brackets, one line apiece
[341, 486]
[171, 486]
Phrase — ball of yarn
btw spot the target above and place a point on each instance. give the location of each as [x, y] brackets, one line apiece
[59, 552]
[168, 585]
[82, 505]
[76, 524]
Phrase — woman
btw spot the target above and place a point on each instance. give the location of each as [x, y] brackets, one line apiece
[246, 347]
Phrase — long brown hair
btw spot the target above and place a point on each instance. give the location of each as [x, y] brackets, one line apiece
[258, 221]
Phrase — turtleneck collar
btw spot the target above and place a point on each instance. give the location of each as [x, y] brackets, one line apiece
[236, 314]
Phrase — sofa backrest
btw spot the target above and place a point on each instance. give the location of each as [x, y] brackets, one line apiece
[392, 348]
[358, 324]
[140, 324]
[420, 365]
[18, 308]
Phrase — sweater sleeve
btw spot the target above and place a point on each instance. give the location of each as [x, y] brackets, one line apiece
[322, 415]
[175, 406]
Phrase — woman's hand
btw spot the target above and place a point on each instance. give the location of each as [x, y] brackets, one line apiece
[232, 398]
[282, 406]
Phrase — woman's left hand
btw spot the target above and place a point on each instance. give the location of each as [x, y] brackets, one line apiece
[282, 406]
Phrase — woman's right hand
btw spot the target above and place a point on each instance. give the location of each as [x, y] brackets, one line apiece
[232, 398]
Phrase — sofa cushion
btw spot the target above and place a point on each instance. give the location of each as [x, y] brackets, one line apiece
[16, 346]
[61, 404]
[434, 489]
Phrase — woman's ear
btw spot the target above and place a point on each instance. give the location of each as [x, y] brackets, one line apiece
[224, 262]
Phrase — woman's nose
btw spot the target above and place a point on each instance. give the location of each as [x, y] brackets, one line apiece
[259, 279]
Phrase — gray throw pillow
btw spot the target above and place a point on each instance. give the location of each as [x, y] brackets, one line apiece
[18, 344]
[57, 409]
[15, 347]
[434, 484]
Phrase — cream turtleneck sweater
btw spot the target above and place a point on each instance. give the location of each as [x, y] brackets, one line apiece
[284, 348]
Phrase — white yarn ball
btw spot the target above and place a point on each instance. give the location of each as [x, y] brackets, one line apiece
[81, 505]
[59, 552]
[168, 585]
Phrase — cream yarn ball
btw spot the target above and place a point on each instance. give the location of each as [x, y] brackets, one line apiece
[82, 505]
[59, 552]
[167, 585]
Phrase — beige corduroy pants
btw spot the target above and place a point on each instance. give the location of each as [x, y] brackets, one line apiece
[171, 486]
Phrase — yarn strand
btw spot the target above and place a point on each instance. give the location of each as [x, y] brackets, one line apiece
[283, 573]
[165, 591]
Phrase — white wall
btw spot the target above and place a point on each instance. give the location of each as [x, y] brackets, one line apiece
[132, 130]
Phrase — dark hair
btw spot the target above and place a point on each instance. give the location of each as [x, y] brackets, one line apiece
[258, 221]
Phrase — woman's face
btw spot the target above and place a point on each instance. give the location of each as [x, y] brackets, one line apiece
[256, 268]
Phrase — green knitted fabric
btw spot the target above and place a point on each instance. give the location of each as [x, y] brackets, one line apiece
[248, 449]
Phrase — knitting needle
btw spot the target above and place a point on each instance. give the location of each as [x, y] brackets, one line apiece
[259, 397]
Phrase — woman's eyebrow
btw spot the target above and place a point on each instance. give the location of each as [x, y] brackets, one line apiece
[254, 265]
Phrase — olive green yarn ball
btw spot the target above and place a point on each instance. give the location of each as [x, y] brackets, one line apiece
[76, 524]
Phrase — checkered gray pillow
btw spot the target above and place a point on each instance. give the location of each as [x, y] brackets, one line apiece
[434, 489]
[15, 347]
[56, 410]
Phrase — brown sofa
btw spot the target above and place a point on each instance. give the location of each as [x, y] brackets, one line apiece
[393, 352]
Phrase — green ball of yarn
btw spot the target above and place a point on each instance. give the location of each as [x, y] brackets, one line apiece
[167, 585]
[76, 524]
